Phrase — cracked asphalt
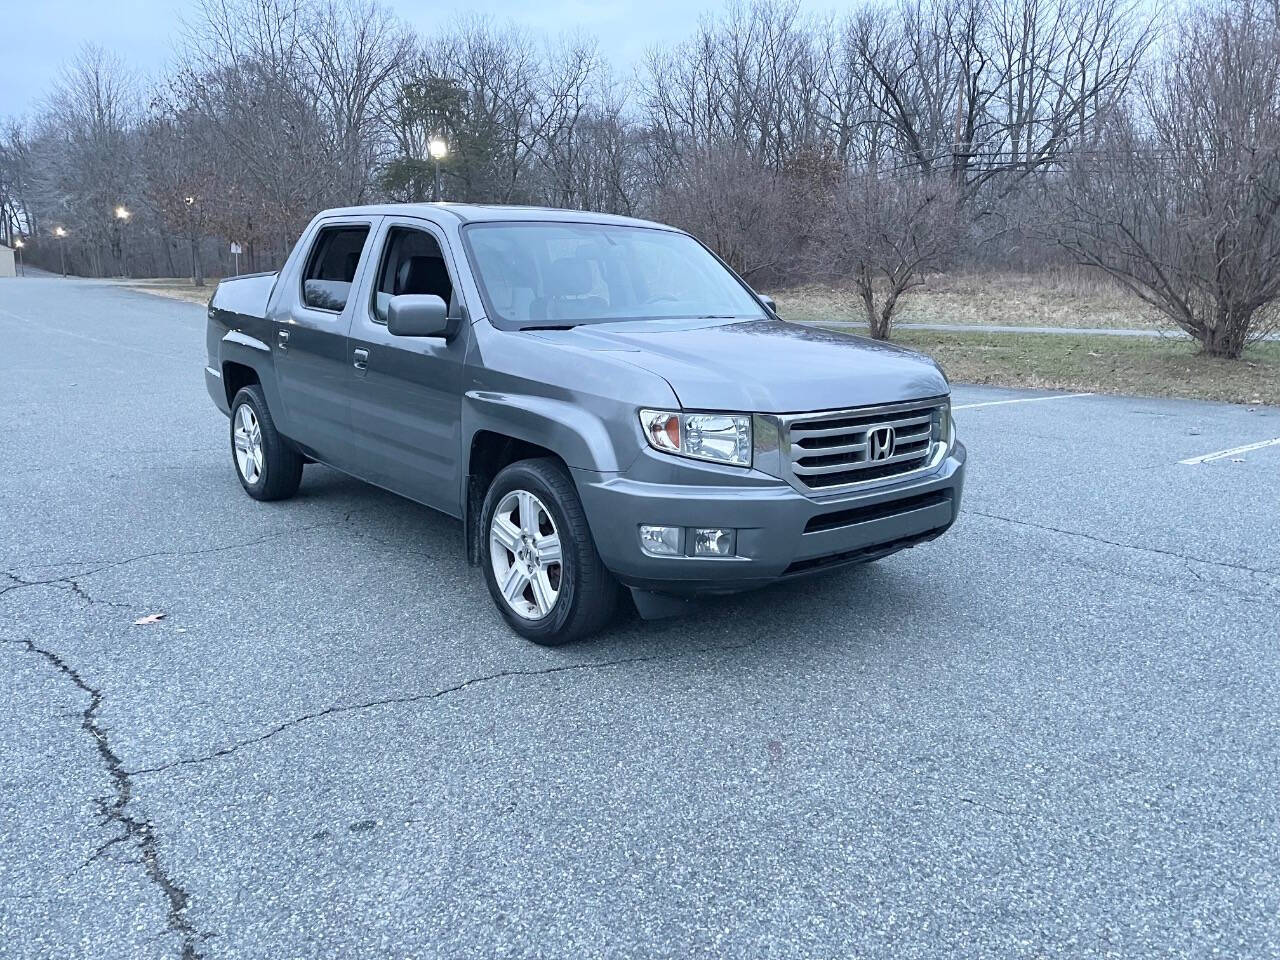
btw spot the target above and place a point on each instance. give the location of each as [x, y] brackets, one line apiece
[1055, 732]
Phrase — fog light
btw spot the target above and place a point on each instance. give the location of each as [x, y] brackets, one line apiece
[660, 541]
[713, 542]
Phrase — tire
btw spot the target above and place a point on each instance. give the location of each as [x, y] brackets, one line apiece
[586, 594]
[273, 469]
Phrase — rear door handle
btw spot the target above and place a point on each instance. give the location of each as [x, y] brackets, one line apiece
[360, 359]
[282, 340]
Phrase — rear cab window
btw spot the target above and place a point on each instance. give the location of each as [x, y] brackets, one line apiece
[331, 266]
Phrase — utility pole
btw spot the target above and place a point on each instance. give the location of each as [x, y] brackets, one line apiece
[61, 234]
[123, 216]
[438, 150]
[18, 245]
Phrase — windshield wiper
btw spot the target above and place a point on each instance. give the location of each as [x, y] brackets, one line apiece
[550, 326]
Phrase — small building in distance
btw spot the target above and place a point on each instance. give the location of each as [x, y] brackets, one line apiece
[8, 266]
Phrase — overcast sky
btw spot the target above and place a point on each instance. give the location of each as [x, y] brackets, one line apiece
[41, 35]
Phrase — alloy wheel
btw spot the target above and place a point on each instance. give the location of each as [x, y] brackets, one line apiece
[247, 438]
[524, 550]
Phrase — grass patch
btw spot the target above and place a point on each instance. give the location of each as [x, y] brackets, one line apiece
[1054, 298]
[175, 289]
[1101, 364]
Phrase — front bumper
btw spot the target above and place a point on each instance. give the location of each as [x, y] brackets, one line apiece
[781, 532]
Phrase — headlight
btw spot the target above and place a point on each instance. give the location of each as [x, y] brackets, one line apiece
[944, 427]
[720, 437]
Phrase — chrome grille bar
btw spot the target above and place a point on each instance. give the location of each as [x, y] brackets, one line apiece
[829, 450]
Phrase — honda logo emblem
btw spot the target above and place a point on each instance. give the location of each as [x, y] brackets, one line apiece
[880, 443]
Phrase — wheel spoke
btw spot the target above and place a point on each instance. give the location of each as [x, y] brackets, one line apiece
[513, 586]
[543, 596]
[528, 513]
[506, 533]
[241, 441]
[548, 548]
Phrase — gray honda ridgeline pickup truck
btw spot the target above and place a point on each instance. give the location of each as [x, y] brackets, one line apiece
[601, 400]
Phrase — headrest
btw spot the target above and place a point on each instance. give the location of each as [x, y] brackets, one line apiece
[424, 275]
[570, 277]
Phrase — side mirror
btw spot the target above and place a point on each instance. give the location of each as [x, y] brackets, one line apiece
[769, 302]
[417, 315]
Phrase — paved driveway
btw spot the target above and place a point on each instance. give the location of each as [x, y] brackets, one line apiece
[1053, 733]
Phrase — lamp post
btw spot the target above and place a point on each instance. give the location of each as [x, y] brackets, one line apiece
[438, 150]
[61, 234]
[123, 215]
[18, 245]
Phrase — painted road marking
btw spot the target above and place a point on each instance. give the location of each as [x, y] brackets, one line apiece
[1220, 454]
[997, 403]
[15, 316]
[100, 342]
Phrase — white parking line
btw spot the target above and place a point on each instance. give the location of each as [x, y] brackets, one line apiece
[1220, 454]
[15, 316]
[997, 403]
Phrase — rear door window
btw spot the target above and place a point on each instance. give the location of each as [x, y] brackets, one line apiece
[331, 268]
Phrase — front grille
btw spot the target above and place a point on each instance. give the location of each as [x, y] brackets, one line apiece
[834, 449]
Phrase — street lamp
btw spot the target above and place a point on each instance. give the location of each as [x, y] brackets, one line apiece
[61, 234]
[123, 215]
[438, 150]
[18, 245]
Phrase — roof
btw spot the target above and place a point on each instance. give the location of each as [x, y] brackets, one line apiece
[480, 212]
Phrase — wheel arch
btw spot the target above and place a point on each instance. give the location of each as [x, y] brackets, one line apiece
[244, 360]
[488, 453]
[501, 428]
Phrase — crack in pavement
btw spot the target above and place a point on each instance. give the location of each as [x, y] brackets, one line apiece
[403, 699]
[137, 831]
[71, 580]
[71, 583]
[1128, 546]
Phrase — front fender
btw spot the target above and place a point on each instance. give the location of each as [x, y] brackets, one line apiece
[579, 436]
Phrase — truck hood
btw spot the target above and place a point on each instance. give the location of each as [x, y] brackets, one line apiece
[764, 366]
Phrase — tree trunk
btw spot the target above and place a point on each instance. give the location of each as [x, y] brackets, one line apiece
[1227, 337]
[197, 268]
[875, 318]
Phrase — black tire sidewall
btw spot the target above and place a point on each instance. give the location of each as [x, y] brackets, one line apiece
[521, 476]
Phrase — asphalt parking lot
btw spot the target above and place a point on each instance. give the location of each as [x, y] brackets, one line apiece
[1055, 732]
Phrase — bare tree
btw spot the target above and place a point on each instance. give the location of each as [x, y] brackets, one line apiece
[882, 232]
[81, 156]
[1182, 201]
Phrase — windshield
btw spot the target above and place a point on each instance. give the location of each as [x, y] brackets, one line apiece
[564, 274]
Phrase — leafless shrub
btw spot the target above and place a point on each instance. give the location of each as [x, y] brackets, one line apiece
[1181, 201]
[882, 233]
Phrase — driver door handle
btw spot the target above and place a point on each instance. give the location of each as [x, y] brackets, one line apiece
[360, 360]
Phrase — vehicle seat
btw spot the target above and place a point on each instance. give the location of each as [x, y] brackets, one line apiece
[424, 275]
[572, 279]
